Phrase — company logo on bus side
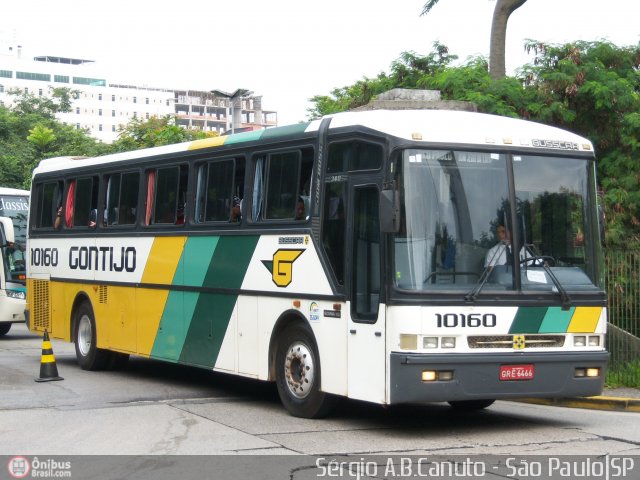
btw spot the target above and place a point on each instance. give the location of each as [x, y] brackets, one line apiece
[105, 259]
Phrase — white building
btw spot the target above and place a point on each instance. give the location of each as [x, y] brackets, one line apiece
[103, 108]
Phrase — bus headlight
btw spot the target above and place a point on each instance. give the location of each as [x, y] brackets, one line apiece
[579, 341]
[430, 342]
[448, 342]
[17, 294]
[594, 341]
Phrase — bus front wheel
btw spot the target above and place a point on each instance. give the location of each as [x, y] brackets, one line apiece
[298, 374]
[89, 356]
[4, 328]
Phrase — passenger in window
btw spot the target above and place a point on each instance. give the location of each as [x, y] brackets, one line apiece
[57, 223]
[236, 211]
[300, 210]
[93, 217]
[180, 218]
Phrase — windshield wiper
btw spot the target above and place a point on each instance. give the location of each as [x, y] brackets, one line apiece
[484, 276]
[542, 261]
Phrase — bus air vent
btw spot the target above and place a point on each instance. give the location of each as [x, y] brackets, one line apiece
[40, 305]
[102, 292]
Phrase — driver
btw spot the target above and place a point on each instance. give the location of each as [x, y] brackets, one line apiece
[502, 252]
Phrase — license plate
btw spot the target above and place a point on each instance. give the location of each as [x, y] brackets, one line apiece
[516, 372]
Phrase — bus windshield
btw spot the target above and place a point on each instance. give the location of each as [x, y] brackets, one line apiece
[15, 208]
[457, 225]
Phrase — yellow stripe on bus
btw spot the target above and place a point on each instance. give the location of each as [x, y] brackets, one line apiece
[160, 269]
[207, 142]
[585, 320]
[163, 260]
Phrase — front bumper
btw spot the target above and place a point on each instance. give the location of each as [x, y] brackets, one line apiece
[476, 376]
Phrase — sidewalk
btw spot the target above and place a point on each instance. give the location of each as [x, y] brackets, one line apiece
[616, 399]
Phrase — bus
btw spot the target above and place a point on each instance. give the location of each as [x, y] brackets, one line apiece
[342, 257]
[14, 208]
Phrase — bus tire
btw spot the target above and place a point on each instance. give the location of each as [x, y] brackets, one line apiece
[470, 405]
[88, 355]
[298, 374]
[4, 329]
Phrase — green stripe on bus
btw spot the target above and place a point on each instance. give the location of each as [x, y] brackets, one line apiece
[192, 269]
[528, 320]
[212, 311]
[244, 137]
[294, 129]
[556, 320]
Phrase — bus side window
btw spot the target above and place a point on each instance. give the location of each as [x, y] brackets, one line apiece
[49, 201]
[127, 206]
[121, 199]
[282, 185]
[113, 197]
[220, 183]
[85, 202]
[166, 194]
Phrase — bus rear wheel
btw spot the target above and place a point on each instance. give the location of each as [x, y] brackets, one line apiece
[298, 374]
[470, 405]
[89, 356]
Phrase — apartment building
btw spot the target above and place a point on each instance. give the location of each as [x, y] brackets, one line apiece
[103, 107]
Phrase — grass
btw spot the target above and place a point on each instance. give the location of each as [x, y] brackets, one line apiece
[623, 375]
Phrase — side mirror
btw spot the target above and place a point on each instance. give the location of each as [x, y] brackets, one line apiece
[389, 211]
[7, 234]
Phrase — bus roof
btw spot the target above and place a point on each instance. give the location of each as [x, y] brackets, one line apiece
[14, 191]
[428, 126]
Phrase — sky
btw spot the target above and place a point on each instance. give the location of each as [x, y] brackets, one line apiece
[288, 51]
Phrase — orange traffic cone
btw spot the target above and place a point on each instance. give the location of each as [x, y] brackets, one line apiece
[48, 369]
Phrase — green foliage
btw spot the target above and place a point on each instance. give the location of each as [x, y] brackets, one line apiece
[405, 73]
[590, 88]
[30, 132]
[624, 375]
[41, 136]
[153, 133]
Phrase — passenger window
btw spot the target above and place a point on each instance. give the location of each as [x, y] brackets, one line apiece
[282, 185]
[166, 195]
[122, 198]
[49, 200]
[219, 192]
[86, 202]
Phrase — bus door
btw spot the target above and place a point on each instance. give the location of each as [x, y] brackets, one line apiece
[366, 337]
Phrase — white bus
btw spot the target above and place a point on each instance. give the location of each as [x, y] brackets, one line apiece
[14, 207]
[348, 256]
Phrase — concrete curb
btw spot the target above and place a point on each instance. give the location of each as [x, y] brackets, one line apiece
[618, 404]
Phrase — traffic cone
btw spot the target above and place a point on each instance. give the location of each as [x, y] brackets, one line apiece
[48, 369]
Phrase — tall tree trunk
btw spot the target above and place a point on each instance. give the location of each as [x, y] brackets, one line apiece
[503, 9]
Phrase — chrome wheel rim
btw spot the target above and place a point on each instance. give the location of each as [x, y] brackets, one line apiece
[299, 371]
[84, 335]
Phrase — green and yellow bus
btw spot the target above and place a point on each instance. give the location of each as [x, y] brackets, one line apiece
[350, 256]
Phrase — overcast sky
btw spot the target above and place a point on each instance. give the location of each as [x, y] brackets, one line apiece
[290, 50]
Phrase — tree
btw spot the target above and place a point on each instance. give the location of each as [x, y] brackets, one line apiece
[154, 132]
[41, 137]
[501, 14]
[590, 88]
[59, 101]
[406, 72]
